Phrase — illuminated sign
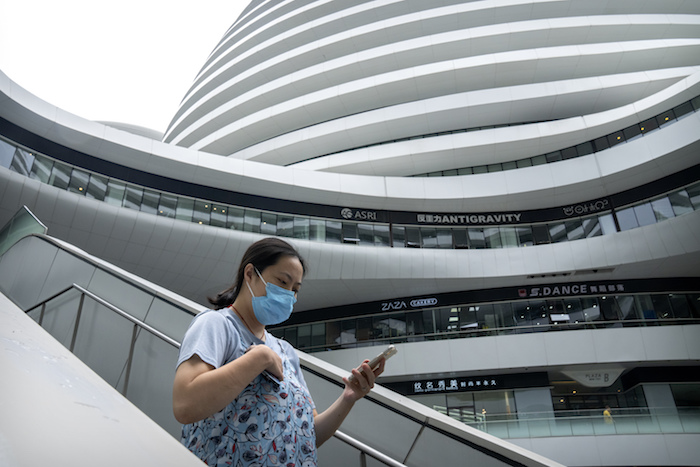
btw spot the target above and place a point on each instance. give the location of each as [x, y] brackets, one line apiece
[475, 219]
[358, 214]
[443, 385]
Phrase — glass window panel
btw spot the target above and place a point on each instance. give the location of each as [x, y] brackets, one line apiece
[601, 144]
[492, 236]
[494, 168]
[615, 138]
[460, 239]
[645, 305]
[465, 171]
[509, 238]
[304, 336]
[648, 125]
[680, 202]
[607, 224]
[662, 209]
[398, 235]
[60, 176]
[268, 223]
[150, 201]
[694, 194]
[301, 227]
[568, 153]
[412, 237]
[557, 232]
[696, 102]
[97, 187]
[333, 231]
[481, 169]
[645, 214]
[628, 308]
[524, 233]
[591, 227]
[428, 237]
[132, 198]
[665, 118]
[219, 215]
[185, 209]
[115, 193]
[350, 234]
[632, 132]
[202, 212]
[41, 170]
[366, 233]
[574, 229]
[7, 153]
[683, 110]
[627, 219]
[584, 149]
[680, 305]
[251, 221]
[573, 308]
[235, 218]
[450, 173]
[167, 205]
[317, 230]
[540, 233]
[78, 181]
[662, 306]
[22, 162]
[509, 165]
[539, 160]
[476, 238]
[591, 310]
[285, 225]
[553, 156]
[444, 238]
[381, 235]
[318, 334]
[524, 163]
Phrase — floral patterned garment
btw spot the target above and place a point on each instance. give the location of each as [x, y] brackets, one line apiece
[269, 424]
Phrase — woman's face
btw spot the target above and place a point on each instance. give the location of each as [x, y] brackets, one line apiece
[286, 273]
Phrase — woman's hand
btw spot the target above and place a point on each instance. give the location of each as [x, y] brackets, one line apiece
[274, 362]
[363, 380]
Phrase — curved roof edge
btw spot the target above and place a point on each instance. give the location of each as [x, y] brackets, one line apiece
[547, 185]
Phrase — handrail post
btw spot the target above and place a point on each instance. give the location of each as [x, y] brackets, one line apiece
[363, 459]
[134, 333]
[41, 315]
[77, 322]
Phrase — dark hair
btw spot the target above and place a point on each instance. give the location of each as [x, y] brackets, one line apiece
[261, 254]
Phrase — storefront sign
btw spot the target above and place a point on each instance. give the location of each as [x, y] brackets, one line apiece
[570, 290]
[469, 219]
[454, 385]
[595, 378]
[358, 214]
[587, 208]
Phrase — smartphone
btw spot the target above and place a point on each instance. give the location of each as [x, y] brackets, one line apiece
[374, 363]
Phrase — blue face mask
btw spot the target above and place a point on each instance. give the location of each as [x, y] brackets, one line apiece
[274, 307]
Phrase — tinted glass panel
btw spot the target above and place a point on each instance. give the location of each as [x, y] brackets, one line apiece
[132, 199]
[41, 170]
[662, 209]
[680, 202]
[627, 219]
[317, 230]
[167, 205]
[301, 227]
[115, 193]
[78, 181]
[251, 221]
[185, 209]
[645, 215]
[150, 201]
[235, 218]
[268, 224]
[219, 215]
[97, 187]
[333, 231]
[60, 176]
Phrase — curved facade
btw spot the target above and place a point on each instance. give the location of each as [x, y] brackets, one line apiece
[488, 169]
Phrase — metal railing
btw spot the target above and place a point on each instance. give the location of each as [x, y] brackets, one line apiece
[138, 324]
[499, 331]
[624, 421]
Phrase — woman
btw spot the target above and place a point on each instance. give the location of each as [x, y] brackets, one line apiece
[238, 390]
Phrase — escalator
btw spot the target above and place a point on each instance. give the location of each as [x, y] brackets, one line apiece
[127, 331]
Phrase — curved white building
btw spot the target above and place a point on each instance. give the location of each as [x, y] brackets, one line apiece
[496, 169]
